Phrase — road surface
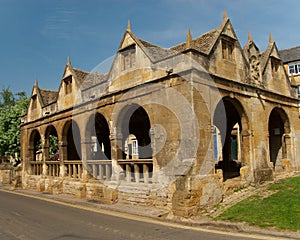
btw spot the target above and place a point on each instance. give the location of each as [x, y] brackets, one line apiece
[27, 218]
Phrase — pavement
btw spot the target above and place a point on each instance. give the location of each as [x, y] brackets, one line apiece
[203, 222]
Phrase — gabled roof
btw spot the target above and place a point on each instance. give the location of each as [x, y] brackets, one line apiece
[250, 45]
[80, 75]
[290, 54]
[153, 52]
[47, 96]
[265, 56]
[205, 42]
[268, 52]
[93, 79]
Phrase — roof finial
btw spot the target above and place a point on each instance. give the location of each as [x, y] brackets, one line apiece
[69, 61]
[250, 37]
[35, 83]
[128, 26]
[271, 38]
[225, 15]
[188, 38]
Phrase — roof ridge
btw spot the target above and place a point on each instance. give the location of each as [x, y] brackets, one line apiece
[77, 69]
[287, 49]
[49, 90]
[144, 41]
[215, 29]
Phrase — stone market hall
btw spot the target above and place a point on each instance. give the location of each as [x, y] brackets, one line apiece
[174, 128]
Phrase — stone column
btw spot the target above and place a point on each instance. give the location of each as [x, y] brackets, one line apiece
[62, 149]
[29, 156]
[45, 154]
[246, 170]
[116, 153]
[154, 138]
[86, 155]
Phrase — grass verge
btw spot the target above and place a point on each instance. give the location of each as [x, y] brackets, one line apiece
[280, 209]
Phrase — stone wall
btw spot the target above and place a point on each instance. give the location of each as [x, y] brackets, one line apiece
[5, 176]
[186, 197]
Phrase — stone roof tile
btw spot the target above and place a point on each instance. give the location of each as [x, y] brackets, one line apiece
[93, 79]
[48, 96]
[156, 53]
[202, 44]
[290, 54]
[80, 75]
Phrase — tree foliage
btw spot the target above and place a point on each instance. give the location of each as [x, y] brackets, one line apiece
[53, 145]
[12, 106]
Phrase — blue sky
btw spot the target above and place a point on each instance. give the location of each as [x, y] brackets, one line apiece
[37, 36]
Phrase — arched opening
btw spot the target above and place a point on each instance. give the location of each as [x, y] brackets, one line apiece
[51, 144]
[98, 134]
[135, 122]
[279, 127]
[72, 140]
[35, 146]
[229, 121]
[134, 144]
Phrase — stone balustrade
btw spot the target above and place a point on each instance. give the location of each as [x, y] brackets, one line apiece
[100, 169]
[74, 169]
[53, 168]
[36, 167]
[139, 170]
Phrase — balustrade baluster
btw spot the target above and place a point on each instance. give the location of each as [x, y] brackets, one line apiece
[74, 171]
[79, 170]
[128, 173]
[146, 173]
[70, 170]
[136, 173]
[101, 171]
[94, 170]
[107, 171]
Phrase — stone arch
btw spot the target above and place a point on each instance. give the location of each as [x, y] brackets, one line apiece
[51, 143]
[71, 140]
[232, 122]
[97, 135]
[134, 119]
[279, 130]
[35, 146]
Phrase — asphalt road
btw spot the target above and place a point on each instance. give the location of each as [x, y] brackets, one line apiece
[23, 217]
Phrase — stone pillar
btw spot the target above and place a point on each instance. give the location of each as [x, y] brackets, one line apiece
[287, 154]
[247, 170]
[45, 154]
[116, 152]
[29, 156]
[287, 147]
[154, 138]
[85, 155]
[45, 169]
[62, 149]
[45, 148]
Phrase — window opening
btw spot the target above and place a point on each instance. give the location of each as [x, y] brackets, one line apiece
[227, 49]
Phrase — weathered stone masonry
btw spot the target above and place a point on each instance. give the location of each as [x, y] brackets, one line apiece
[170, 128]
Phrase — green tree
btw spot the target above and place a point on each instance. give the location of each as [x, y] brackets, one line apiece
[53, 145]
[6, 97]
[12, 106]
